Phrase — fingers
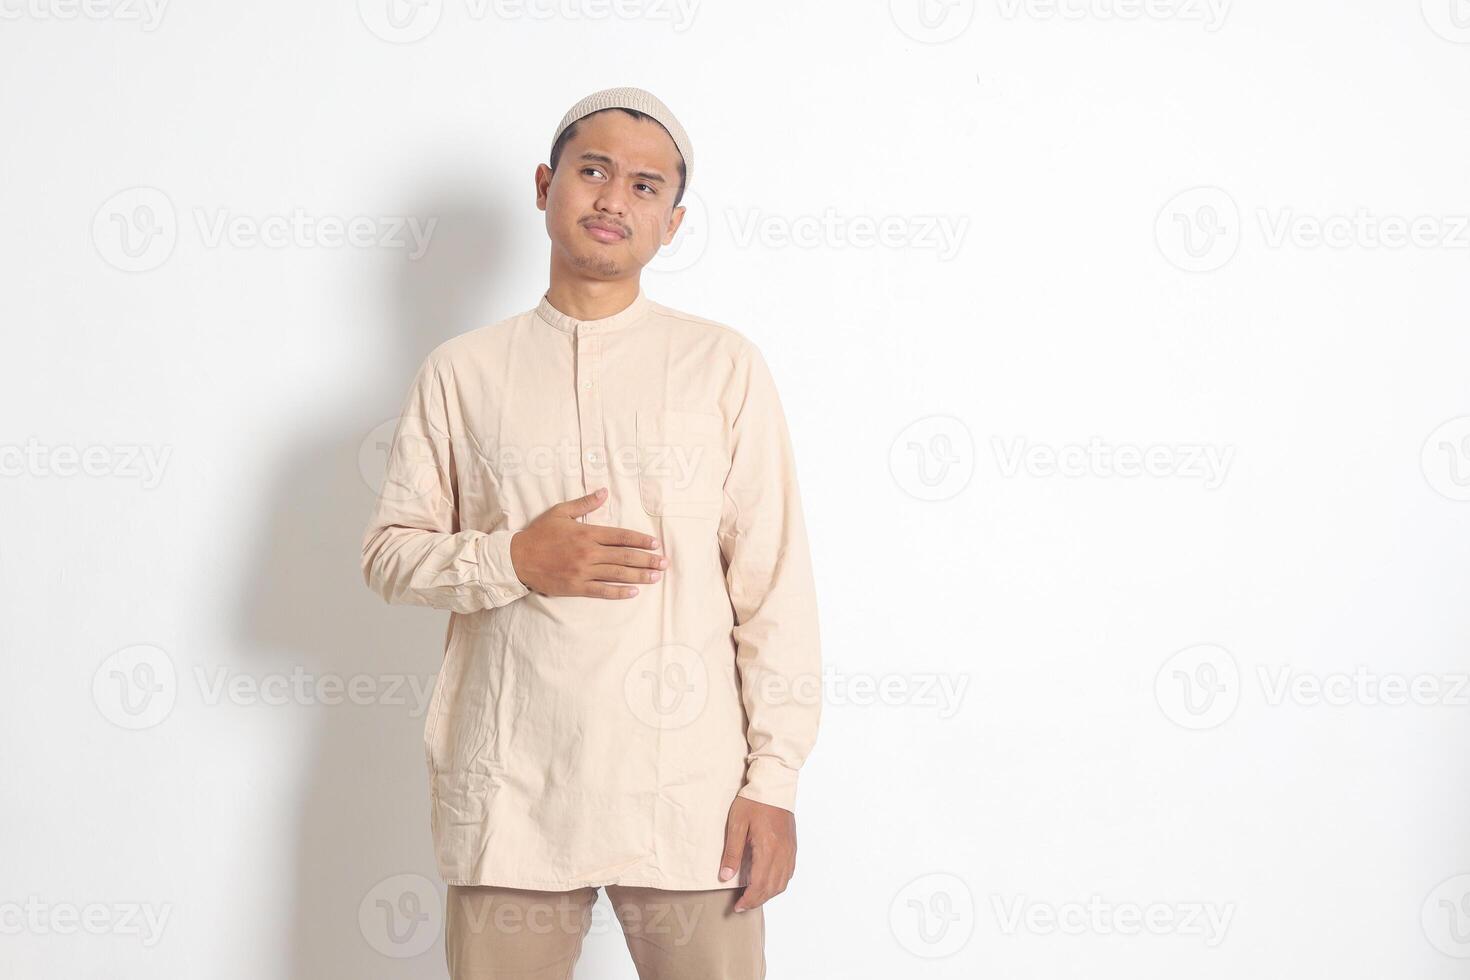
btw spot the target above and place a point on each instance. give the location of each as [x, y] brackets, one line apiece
[633, 558]
[611, 536]
[603, 559]
[601, 590]
[578, 506]
[623, 536]
[770, 870]
[622, 573]
[735, 831]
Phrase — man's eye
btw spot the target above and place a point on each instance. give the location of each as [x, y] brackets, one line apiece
[648, 187]
[591, 170]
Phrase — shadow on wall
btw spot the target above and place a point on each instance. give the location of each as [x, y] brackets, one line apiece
[362, 816]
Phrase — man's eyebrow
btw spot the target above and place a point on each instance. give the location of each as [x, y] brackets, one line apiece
[602, 158]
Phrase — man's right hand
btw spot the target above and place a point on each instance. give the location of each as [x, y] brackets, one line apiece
[559, 555]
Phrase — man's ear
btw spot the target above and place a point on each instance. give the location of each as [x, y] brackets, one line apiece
[676, 218]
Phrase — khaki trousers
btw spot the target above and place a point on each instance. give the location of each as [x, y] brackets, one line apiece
[494, 933]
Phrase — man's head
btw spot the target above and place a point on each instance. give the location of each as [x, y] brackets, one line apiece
[620, 163]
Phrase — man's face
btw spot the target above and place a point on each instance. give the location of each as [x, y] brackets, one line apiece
[610, 204]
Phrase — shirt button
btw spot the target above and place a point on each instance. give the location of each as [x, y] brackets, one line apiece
[592, 457]
[586, 384]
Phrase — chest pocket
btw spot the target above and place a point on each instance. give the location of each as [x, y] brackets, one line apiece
[682, 463]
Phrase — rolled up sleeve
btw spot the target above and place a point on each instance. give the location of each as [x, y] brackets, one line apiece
[414, 551]
[769, 576]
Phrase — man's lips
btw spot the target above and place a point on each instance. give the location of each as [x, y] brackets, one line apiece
[604, 232]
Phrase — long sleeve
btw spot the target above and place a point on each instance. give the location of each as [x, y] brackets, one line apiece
[414, 551]
[769, 575]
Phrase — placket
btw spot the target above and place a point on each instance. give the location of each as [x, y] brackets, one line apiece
[592, 435]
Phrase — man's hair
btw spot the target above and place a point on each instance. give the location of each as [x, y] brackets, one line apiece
[570, 131]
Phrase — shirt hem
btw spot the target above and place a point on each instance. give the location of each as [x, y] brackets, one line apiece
[567, 886]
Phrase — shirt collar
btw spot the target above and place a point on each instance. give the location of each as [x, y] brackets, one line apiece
[629, 314]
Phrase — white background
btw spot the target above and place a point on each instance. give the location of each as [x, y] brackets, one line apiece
[1118, 743]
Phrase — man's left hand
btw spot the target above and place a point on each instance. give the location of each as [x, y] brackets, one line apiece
[770, 832]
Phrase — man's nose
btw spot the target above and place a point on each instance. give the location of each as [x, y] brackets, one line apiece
[612, 201]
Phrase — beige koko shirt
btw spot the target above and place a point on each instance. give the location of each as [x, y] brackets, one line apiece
[575, 741]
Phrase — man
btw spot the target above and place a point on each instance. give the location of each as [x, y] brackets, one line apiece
[602, 492]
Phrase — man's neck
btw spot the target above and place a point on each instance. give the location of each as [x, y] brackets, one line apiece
[591, 299]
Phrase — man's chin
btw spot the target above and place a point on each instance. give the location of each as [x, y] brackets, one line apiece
[598, 263]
